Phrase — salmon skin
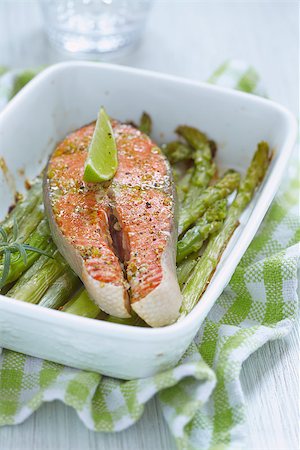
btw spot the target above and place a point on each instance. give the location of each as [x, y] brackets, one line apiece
[118, 236]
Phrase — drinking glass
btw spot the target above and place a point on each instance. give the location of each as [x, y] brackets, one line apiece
[94, 26]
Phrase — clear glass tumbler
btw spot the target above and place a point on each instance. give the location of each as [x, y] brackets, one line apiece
[94, 26]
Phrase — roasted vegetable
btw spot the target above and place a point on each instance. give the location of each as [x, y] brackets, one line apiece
[206, 265]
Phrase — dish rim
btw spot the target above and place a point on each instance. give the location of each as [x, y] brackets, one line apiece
[263, 201]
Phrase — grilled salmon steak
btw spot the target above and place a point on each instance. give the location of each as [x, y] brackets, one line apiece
[118, 236]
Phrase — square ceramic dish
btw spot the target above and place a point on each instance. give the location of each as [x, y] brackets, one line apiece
[67, 96]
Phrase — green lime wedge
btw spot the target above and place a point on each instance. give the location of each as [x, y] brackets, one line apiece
[102, 162]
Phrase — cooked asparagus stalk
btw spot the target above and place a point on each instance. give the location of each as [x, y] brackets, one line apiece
[206, 265]
[177, 151]
[204, 165]
[191, 212]
[28, 227]
[21, 213]
[61, 290]
[194, 238]
[183, 184]
[145, 123]
[31, 286]
[194, 137]
[41, 242]
[82, 305]
[185, 267]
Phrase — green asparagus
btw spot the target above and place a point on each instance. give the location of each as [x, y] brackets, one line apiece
[21, 213]
[206, 265]
[204, 165]
[190, 213]
[145, 123]
[27, 228]
[31, 286]
[61, 290]
[183, 184]
[194, 137]
[194, 238]
[40, 243]
[82, 305]
[177, 151]
[185, 267]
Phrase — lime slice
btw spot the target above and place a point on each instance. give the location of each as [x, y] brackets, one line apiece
[102, 162]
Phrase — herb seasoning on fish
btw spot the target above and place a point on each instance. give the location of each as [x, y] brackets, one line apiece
[119, 237]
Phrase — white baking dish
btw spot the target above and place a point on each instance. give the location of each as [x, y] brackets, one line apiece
[67, 96]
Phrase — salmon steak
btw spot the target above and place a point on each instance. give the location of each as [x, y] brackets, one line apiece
[118, 236]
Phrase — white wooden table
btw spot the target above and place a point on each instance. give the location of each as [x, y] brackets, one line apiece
[187, 38]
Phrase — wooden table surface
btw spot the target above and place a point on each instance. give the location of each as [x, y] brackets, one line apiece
[187, 38]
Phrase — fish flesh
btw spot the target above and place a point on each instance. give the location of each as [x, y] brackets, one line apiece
[118, 236]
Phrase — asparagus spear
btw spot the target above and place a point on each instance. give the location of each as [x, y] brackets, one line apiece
[177, 151]
[185, 267]
[207, 264]
[82, 305]
[183, 184]
[146, 123]
[191, 212]
[27, 228]
[204, 165]
[41, 242]
[23, 209]
[61, 290]
[194, 137]
[194, 238]
[31, 286]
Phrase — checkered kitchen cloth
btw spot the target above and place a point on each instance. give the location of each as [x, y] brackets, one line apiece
[201, 398]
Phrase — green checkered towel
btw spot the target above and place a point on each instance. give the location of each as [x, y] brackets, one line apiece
[201, 398]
